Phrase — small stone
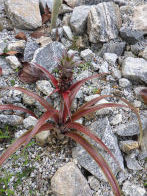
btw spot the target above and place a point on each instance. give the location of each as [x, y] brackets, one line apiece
[113, 47]
[128, 145]
[3, 45]
[138, 47]
[135, 68]
[24, 14]
[123, 82]
[83, 75]
[110, 58]
[93, 183]
[29, 122]
[117, 119]
[67, 32]
[87, 55]
[74, 184]
[143, 53]
[17, 46]
[20, 133]
[102, 16]
[139, 18]
[13, 61]
[11, 119]
[28, 100]
[131, 36]
[42, 137]
[44, 86]
[116, 73]
[78, 19]
[49, 55]
[132, 163]
[65, 9]
[29, 51]
[131, 189]
[137, 103]
[43, 41]
[104, 67]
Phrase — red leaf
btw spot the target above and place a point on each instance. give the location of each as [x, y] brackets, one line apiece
[20, 141]
[13, 107]
[86, 111]
[143, 94]
[21, 36]
[66, 104]
[47, 15]
[30, 73]
[0, 71]
[39, 124]
[99, 160]
[48, 74]
[87, 132]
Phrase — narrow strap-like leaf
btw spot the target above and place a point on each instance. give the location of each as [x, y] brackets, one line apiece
[66, 106]
[86, 131]
[48, 74]
[99, 160]
[86, 111]
[20, 141]
[13, 107]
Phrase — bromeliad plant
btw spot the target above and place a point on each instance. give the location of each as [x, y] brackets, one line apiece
[63, 121]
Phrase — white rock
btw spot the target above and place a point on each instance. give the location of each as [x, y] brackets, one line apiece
[17, 45]
[110, 58]
[135, 68]
[139, 18]
[29, 122]
[28, 100]
[44, 86]
[117, 119]
[42, 137]
[104, 67]
[67, 32]
[13, 61]
[20, 133]
[24, 14]
[87, 55]
[123, 82]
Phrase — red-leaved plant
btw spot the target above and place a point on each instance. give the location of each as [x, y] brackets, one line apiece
[63, 120]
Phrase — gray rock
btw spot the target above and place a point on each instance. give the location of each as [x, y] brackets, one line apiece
[24, 14]
[143, 153]
[117, 119]
[44, 86]
[104, 67]
[65, 9]
[67, 43]
[11, 119]
[123, 82]
[131, 189]
[13, 61]
[110, 58]
[30, 49]
[144, 53]
[94, 183]
[20, 133]
[3, 45]
[135, 68]
[104, 22]
[73, 184]
[103, 130]
[28, 100]
[87, 55]
[116, 73]
[139, 18]
[29, 122]
[130, 128]
[49, 55]
[131, 36]
[113, 47]
[67, 32]
[138, 47]
[78, 19]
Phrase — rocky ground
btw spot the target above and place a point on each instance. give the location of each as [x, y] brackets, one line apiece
[108, 36]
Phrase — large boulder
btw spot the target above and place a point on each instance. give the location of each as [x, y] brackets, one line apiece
[24, 14]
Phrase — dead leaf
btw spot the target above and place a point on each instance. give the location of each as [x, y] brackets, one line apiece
[46, 16]
[0, 71]
[21, 35]
[37, 34]
[143, 94]
[9, 53]
[30, 73]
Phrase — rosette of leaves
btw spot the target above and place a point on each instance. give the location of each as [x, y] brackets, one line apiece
[62, 120]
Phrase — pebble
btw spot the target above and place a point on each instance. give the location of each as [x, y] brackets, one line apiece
[13, 61]
[123, 82]
[29, 122]
[87, 55]
[110, 58]
[44, 86]
[128, 145]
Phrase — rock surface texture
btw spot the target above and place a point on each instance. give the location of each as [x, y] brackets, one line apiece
[104, 21]
[24, 14]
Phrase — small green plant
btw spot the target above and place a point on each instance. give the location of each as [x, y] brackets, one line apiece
[12, 82]
[62, 121]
